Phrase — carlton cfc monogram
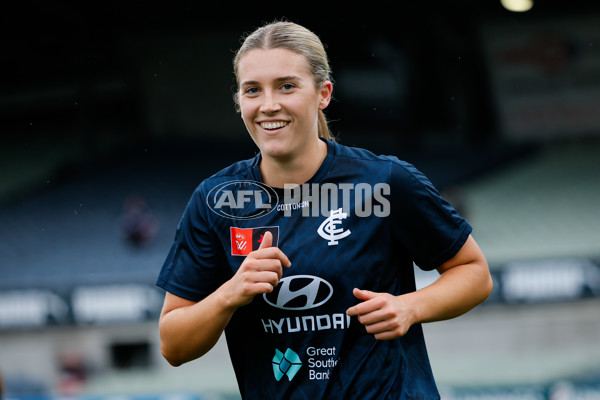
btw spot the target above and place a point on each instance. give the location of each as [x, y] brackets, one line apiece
[328, 229]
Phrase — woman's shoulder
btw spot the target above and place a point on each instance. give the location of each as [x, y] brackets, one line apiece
[399, 170]
[362, 154]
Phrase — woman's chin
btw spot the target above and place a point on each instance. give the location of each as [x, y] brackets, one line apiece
[275, 149]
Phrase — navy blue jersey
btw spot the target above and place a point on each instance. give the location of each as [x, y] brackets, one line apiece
[361, 221]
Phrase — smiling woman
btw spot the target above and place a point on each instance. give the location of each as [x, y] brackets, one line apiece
[280, 105]
[299, 40]
[290, 329]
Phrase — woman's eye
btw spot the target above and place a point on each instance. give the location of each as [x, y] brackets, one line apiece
[251, 90]
[287, 86]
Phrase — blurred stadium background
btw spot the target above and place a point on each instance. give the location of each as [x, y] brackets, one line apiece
[113, 112]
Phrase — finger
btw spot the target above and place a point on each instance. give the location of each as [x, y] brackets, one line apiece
[271, 266]
[363, 294]
[372, 318]
[272, 252]
[267, 240]
[260, 288]
[256, 264]
[381, 327]
[270, 277]
[366, 306]
[386, 330]
[387, 335]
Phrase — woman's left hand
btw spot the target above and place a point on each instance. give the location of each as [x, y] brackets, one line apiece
[464, 282]
[385, 316]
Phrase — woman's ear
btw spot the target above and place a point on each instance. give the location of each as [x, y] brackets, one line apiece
[325, 92]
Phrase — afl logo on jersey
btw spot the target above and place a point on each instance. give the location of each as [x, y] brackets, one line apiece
[300, 292]
[242, 199]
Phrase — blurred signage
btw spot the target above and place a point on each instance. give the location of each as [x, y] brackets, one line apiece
[543, 280]
[545, 77]
[560, 390]
[127, 302]
[31, 308]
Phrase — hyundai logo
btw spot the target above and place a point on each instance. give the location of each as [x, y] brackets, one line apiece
[300, 292]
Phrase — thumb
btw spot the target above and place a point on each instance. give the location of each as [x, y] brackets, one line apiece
[267, 240]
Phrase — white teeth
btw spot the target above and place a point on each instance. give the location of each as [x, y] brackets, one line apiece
[273, 125]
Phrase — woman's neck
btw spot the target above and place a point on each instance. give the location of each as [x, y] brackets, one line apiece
[277, 172]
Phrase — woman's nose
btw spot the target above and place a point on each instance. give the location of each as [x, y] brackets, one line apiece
[269, 103]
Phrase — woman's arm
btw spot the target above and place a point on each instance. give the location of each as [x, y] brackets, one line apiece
[465, 282]
[189, 329]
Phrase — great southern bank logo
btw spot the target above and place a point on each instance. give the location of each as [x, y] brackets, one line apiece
[242, 199]
[300, 292]
[287, 364]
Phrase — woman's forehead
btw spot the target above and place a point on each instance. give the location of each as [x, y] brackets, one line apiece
[270, 64]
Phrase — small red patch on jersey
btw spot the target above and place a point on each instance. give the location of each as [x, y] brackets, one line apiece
[241, 241]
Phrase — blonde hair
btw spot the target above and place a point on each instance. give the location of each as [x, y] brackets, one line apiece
[296, 38]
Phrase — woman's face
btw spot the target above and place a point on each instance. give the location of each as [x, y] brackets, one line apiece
[279, 102]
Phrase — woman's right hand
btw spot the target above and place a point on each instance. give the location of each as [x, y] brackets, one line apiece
[190, 329]
[259, 273]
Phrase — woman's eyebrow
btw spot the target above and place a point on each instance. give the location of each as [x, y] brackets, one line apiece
[249, 83]
[280, 79]
[288, 78]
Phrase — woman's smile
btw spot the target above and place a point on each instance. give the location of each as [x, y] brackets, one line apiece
[273, 126]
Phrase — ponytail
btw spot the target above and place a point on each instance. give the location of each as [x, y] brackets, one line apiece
[323, 127]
